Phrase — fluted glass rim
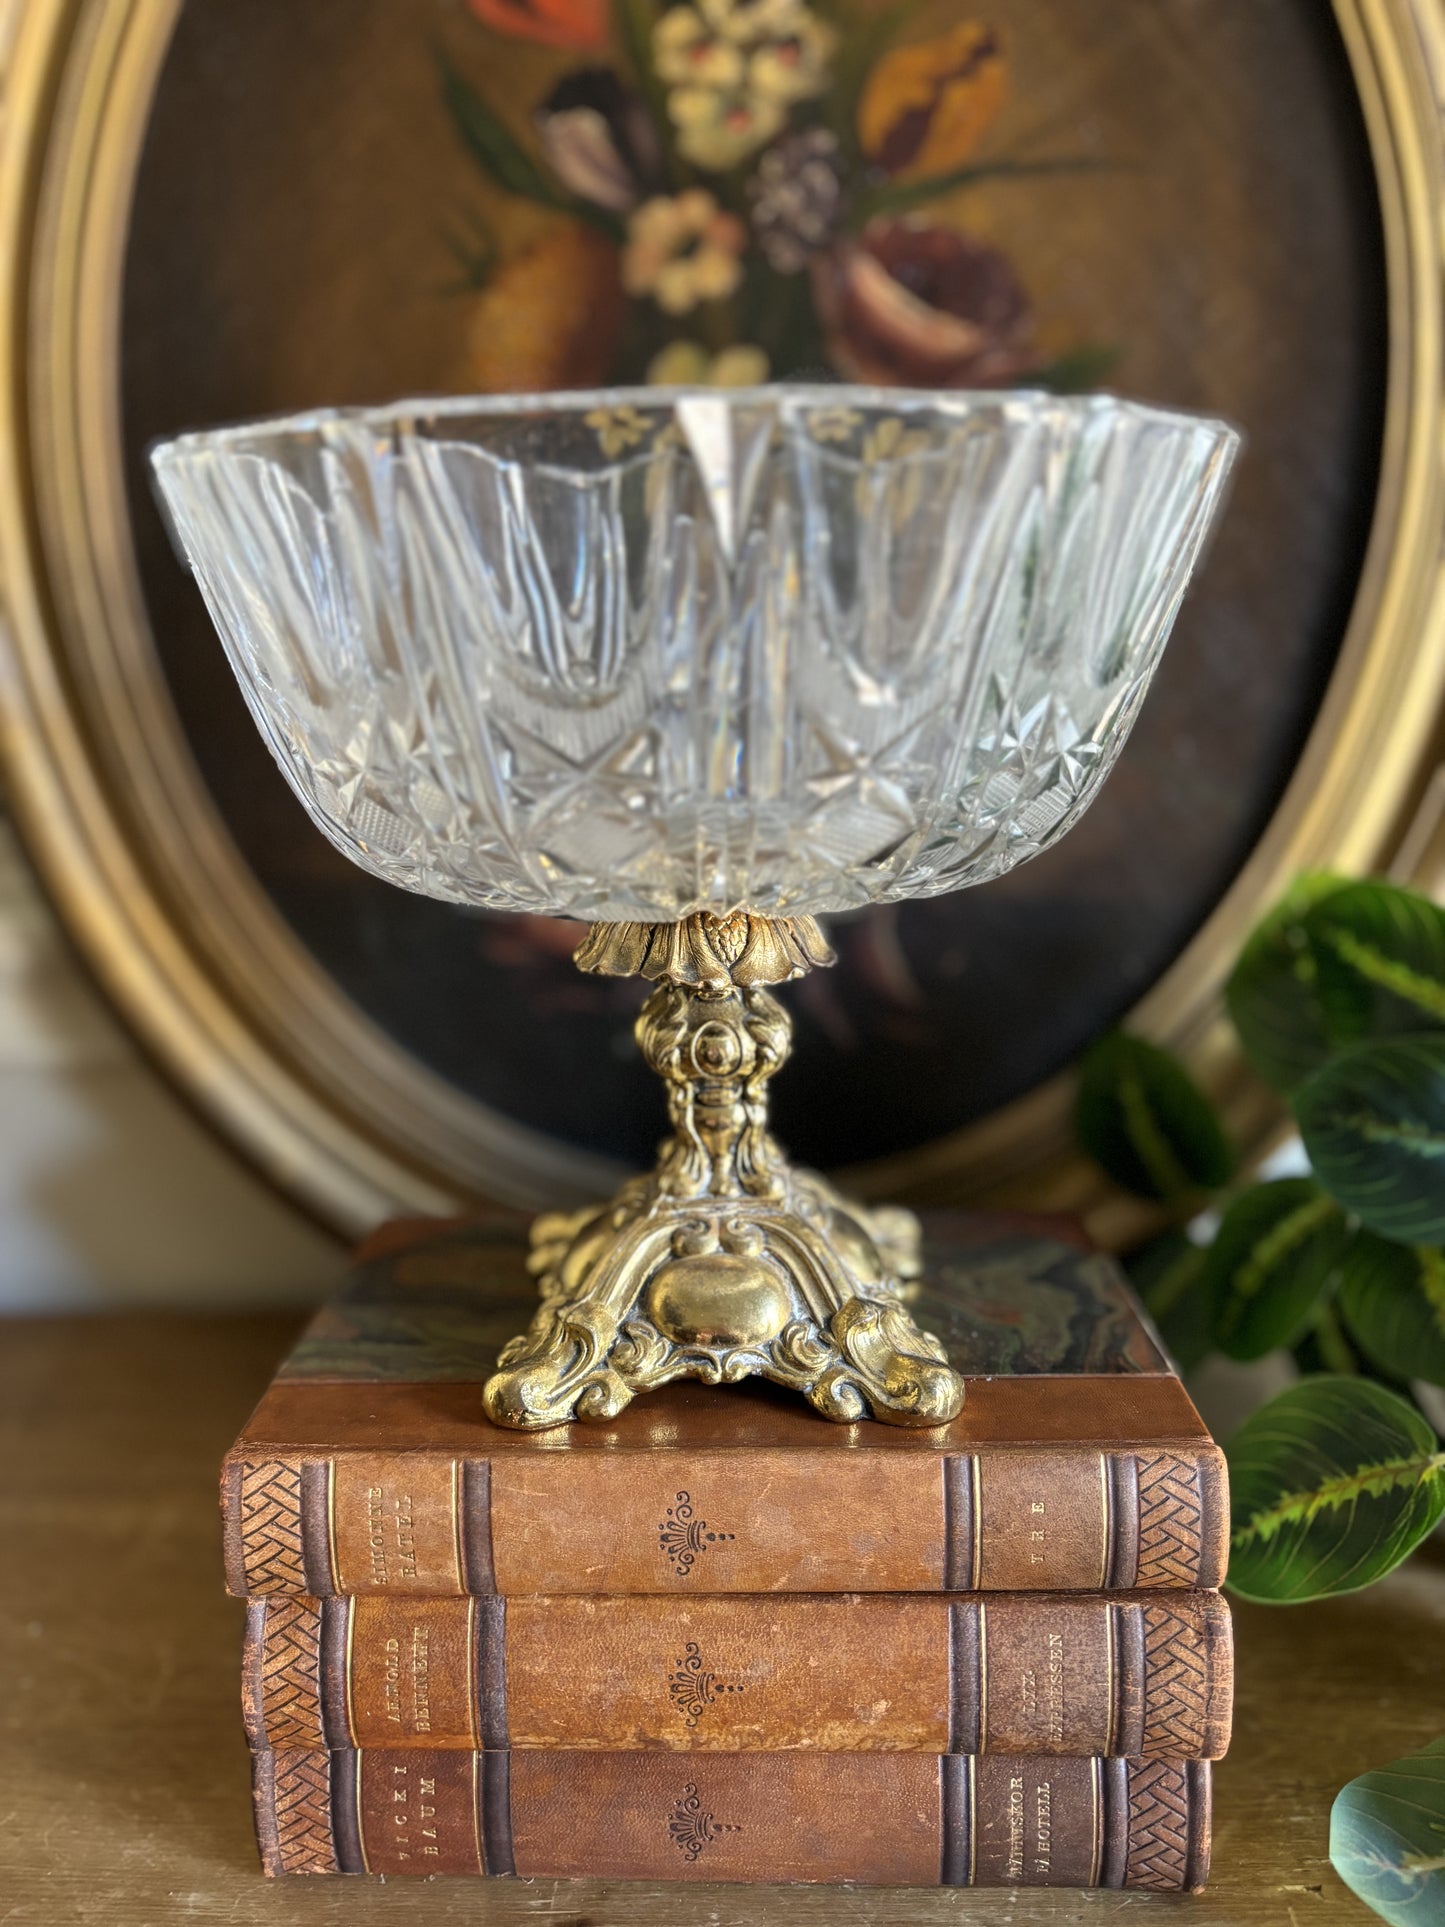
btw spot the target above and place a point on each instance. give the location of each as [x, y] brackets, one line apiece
[1024, 403]
[966, 774]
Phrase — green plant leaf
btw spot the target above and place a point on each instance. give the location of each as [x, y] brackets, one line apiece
[1336, 963]
[1168, 1275]
[1275, 1254]
[1373, 1124]
[1141, 1116]
[1271, 994]
[1387, 1838]
[1392, 1297]
[1331, 1485]
[1325, 1346]
[503, 158]
[1379, 962]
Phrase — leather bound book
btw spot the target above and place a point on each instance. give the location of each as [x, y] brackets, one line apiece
[880, 1819]
[1078, 1462]
[1148, 1675]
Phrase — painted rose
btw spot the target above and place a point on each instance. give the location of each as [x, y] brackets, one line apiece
[914, 305]
[578, 24]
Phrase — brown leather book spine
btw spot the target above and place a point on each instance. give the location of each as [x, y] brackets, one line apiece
[879, 1819]
[1141, 1676]
[1051, 1519]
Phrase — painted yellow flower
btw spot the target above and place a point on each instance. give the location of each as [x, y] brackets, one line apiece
[733, 69]
[683, 249]
[687, 364]
[617, 429]
[688, 51]
[834, 424]
[748, 21]
[794, 64]
[925, 108]
[718, 130]
[891, 440]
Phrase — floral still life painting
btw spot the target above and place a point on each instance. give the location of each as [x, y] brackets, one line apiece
[743, 191]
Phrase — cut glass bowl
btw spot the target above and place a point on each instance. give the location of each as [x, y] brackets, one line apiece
[635, 654]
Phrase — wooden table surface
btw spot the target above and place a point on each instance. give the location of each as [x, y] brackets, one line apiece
[123, 1775]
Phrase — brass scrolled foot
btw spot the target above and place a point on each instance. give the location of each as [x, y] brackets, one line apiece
[725, 1261]
[678, 1292]
[559, 1373]
[902, 1373]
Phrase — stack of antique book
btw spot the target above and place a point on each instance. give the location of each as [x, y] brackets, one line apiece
[719, 1638]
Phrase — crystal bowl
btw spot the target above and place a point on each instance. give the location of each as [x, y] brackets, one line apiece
[635, 654]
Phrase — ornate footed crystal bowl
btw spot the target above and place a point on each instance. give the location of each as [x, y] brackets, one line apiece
[698, 667]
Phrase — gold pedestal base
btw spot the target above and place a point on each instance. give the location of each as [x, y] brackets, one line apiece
[724, 1261]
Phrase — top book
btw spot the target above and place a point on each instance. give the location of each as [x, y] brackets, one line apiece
[1078, 1463]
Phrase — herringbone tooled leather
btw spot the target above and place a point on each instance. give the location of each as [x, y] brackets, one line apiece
[1158, 1826]
[1178, 1715]
[1169, 1522]
[291, 1672]
[271, 1527]
[303, 1813]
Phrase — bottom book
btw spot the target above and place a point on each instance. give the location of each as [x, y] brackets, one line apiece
[880, 1819]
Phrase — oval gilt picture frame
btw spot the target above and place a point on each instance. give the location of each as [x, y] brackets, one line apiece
[275, 1029]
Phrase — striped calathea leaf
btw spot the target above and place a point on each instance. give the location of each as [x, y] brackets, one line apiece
[1392, 1299]
[1271, 994]
[1331, 1485]
[1387, 1838]
[1373, 1124]
[1379, 962]
[1141, 1116]
[1276, 1255]
[1336, 963]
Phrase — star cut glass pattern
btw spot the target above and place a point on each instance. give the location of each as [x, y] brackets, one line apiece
[635, 654]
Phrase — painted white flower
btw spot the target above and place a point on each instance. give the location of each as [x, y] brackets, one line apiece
[794, 66]
[718, 130]
[733, 69]
[688, 52]
[683, 249]
[748, 21]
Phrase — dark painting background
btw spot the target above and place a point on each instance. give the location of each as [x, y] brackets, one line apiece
[289, 248]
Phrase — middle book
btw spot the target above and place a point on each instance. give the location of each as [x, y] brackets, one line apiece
[1143, 1676]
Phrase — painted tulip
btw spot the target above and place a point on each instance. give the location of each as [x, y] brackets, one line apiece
[925, 108]
[599, 139]
[577, 24]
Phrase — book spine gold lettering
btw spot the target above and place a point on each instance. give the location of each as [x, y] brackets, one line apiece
[1008, 1519]
[882, 1819]
[1144, 1676]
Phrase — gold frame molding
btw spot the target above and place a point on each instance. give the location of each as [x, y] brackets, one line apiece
[135, 856]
